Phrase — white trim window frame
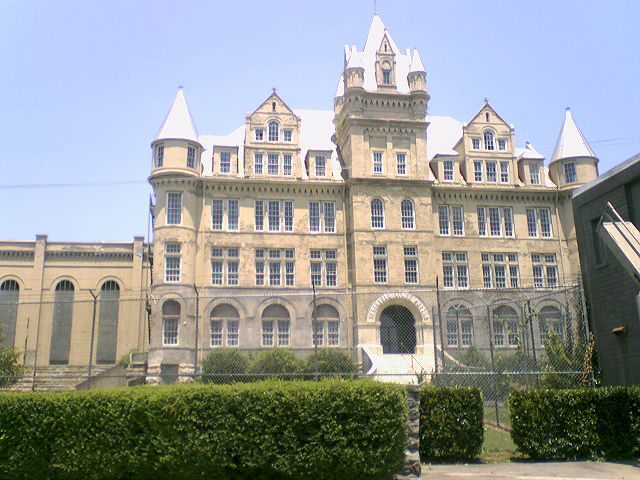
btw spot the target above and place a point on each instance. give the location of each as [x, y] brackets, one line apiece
[378, 162]
[225, 266]
[545, 270]
[225, 163]
[322, 216]
[411, 270]
[505, 176]
[401, 163]
[174, 208]
[274, 216]
[377, 214]
[455, 270]
[500, 270]
[225, 214]
[569, 171]
[380, 273]
[478, 169]
[191, 156]
[275, 267]
[287, 164]
[323, 268]
[273, 164]
[172, 262]
[495, 221]
[159, 155]
[451, 220]
[539, 222]
[320, 165]
[448, 170]
[534, 173]
[407, 214]
[491, 167]
[258, 163]
[258, 134]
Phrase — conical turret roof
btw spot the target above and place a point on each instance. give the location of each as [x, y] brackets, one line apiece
[354, 59]
[416, 62]
[178, 123]
[571, 142]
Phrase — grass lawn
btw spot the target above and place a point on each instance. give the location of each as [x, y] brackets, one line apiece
[498, 446]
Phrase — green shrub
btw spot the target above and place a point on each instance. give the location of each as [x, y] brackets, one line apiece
[329, 362]
[451, 427]
[576, 424]
[315, 430]
[10, 368]
[224, 366]
[276, 363]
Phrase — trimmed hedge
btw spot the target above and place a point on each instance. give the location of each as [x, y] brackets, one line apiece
[451, 424]
[577, 424]
[319, 430]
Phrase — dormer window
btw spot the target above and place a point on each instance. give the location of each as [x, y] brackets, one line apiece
[488, 140]
[225, 162]
[502, 144]
[159, 155]
[288, 135]
[321, 169]
[274, 129]
[534, 173]
[386, 76]
[191, 157]
[448, 170]
[259, 132]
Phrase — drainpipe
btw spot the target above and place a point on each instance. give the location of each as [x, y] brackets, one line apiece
[93, 330]
[195, 362]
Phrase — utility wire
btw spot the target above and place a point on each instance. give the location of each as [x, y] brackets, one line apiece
[68, 185]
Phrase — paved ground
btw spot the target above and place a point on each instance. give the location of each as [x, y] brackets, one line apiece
[534, 471]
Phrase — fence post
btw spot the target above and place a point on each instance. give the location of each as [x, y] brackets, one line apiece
[412, 467]
[440, 323]
[585, 323]
[493, 367]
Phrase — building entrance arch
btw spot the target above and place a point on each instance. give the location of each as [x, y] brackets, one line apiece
[397, 330]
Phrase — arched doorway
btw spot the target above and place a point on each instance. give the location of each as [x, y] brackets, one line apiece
[397, 330]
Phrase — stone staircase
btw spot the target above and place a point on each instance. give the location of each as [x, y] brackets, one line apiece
[398, 368]
[55, 378]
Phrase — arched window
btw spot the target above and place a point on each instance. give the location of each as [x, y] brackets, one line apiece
[225, 326]
[408, 217]
[61, 325]
[9, 297]
[275, 326]
[505, 322]
[326, 326]
[488, 140]
[459, 326]
[274, 130]
[106, 349]
[170, 322]
[377, 213]
[550, 321]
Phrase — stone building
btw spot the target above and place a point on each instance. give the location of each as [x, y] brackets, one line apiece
[306, 228]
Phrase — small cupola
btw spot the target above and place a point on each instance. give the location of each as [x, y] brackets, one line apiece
[176, 145]
[354, 71]
[573, 162]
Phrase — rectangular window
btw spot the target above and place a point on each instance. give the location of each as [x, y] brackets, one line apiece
[257, 164]
[259, 266]
[475, 143]
[401, 163]
[170, 330]
[174, 208]
[329, 217]
[386, 77]
[504, 172]
[259, 133]
[321, 169]
[455, 270]
[191, 157]
[288, 216]
[569, 172]
[457, 216]
[324, 266]
[448, 170]
[172, 258]
[482, 221]
[267, 333]
[443, 219]
[410, 264]
[233, 214]
[217, 214]
[275, 266]
[259, 215]
[380, 264]
[534, 173]
[495, 229]
[288, 135]
[333, 333]
[216, 266]
[507, 216]
[502, 144]
[273, 167]
[273, 215]
[492, 174]
[314, 216]
[377, 162]
[287, 164]
[216, 333]
[331, 271]
[274, 274]
[532, 222]
[224, 266]
[159, 155]
[225, 162]
[477, 170]
[545, 270]
[290, 274]
[545, 222]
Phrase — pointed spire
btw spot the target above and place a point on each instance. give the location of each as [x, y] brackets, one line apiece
[376, 31]
[178, 123]
[340, 89]
[416, 63]
[354, 59]
[571, 142]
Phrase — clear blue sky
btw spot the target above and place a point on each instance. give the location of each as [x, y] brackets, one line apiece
[85, 85]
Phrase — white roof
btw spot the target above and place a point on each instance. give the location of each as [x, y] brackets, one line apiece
[377, 32]
[529, 153]
[340, 88]
[416, 63]
[233, 139]
[442, 135]
[571, 143]
[354, 59]
[178, 123]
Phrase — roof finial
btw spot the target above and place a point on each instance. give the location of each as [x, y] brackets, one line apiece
[273, 89]
[567, 109]
[180, 87]
[486, 100]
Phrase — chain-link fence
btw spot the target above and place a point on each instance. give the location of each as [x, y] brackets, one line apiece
[495, 339]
